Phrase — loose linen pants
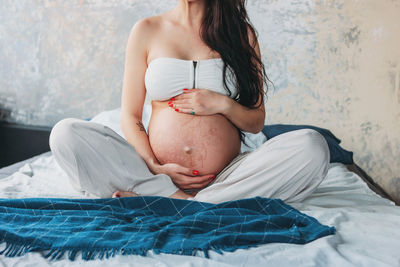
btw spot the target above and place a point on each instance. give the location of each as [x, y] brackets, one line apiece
[99, 161]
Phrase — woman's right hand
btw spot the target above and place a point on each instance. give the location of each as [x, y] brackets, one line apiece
[185, 178]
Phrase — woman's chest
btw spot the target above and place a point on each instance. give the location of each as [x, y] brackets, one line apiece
[166, 77]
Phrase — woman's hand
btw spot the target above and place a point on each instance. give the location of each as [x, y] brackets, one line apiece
[185, 178]
[198, 102]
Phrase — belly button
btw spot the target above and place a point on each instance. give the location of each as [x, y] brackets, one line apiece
[187, 149]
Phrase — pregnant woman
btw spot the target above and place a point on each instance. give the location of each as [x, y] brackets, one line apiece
[200, 64]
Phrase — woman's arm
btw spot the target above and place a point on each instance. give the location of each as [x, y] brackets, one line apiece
[246, 119]
[134, 92]
[206, 102]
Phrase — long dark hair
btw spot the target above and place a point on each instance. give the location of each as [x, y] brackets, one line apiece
[225, 30]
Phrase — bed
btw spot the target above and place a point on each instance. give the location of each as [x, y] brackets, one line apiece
[367, 224]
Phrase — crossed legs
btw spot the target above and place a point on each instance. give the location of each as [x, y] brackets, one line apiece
[97, 160]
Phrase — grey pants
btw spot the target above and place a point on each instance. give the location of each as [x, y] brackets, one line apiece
[99, 161]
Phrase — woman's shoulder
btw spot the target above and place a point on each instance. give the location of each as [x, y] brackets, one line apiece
[152, 23]
[148, 29]
[146, 25]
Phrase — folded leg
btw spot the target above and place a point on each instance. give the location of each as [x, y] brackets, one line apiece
[289, 166]
[99, 161]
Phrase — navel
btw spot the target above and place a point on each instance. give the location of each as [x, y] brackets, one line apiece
[187, 150]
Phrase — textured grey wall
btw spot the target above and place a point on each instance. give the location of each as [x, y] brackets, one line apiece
[335, 64]
[65, 58]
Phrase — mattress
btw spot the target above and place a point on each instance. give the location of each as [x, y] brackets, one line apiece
[367, 224]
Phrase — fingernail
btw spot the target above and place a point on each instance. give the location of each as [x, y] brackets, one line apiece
[177, 109]
[171, 105]
[173, 98]
[195, 172]
[117, 195]
[213, 177]
[170, 102]
[185, 89]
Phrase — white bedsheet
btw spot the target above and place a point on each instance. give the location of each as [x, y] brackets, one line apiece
[367, 225]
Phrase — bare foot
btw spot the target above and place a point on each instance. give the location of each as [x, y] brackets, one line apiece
[124, 194]
[178, 194]
[181, 195]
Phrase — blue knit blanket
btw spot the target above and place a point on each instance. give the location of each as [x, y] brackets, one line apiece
[101, 228]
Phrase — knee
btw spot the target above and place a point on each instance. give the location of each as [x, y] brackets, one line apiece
[64, 133]
[315, 147]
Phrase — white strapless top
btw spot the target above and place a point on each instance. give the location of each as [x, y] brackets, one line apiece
[166, 77]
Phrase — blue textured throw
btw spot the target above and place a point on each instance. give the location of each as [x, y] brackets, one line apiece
[104, 227]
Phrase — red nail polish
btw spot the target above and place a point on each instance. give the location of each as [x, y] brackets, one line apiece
[177, 109]
[213, 177]
[185, 89]
[171, 105]
[169, 102]
[195, 172]
[173, 98]
[117, 195]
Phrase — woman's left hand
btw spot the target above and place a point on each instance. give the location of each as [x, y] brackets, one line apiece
[198, 102]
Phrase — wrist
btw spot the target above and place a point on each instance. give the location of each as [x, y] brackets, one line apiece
[153, 166]
[226, 105]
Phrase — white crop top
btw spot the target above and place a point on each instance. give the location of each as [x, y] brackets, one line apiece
[166, 77]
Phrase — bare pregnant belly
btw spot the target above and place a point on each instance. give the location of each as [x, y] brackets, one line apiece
[203, 143]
